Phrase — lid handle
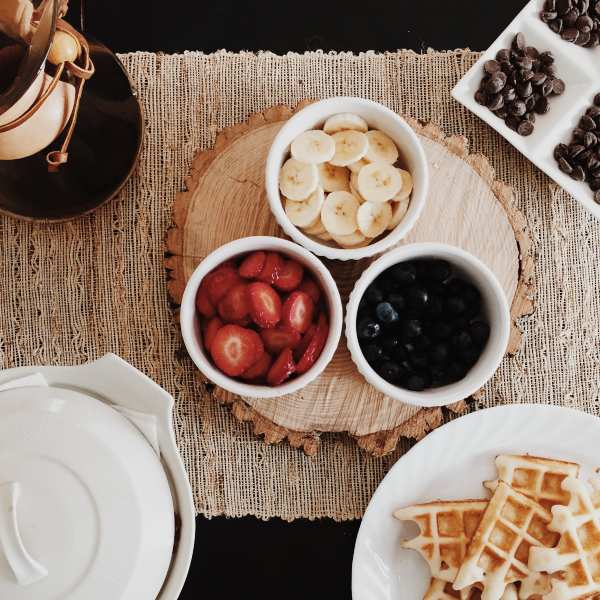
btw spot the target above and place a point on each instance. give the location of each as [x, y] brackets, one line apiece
[25, 568]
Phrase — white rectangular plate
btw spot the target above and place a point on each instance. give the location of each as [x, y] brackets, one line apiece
[578, 67]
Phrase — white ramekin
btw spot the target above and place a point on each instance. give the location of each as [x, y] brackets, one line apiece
[495, 307]
[378, 117]
[190, 326]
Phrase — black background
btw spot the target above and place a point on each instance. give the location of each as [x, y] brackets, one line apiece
[247, 558]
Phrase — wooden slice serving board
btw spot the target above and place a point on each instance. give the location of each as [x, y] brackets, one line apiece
[466, 207]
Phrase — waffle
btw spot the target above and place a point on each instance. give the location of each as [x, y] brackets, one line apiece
[443, 590]
[446, 528]
[575, 562]
[538, 478]
[499, 552]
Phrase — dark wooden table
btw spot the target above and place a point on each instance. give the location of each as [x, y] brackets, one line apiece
[247, 558]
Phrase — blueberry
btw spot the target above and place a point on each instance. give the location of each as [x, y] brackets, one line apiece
[373, 353]
[480, 332]
[416, 382]
[418, 359]
[456, 286]
[367, 329]
[404, 273]
[397, 300]
[412, 328]
[390, 343]
[390, 371]
[469, 356]
[455, 372]
[441, 330]
[471, 295]
[461, 340]
[408, 347]
[422, 342]
[418, 297]
[363, 304]
[460, 323]
[455, 305]
[439, 353]
[374, 294]
[386, 313]
[435, 306]
[439, 270]
[439, 375]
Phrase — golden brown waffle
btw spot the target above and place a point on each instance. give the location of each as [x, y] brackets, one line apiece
[575, 562]
[498, 554]
[446, 528]
[538, 478]
[443, 590]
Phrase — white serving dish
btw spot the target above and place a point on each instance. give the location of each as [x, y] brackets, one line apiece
[73, 524]
[190, 324]
[495, 307]
[578, 67]
[378, 117]
[450, 464]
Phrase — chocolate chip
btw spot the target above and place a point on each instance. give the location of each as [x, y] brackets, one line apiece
[481, 97]
[539, 78]
[590, 139]
[585, 24]
[563, 6]
[517, 108]
[491, 66]
[525, 75]
[587, 123]
[570, 19]
[550, 70]
[547, 16]
[583, 38]
[593, 111]
[578, 173]
[561, 151]
[547, 87]
[575, 150]
[597, 96]
[558, 86]
[495, 102]
[509, 94]
[525, 128]
[595, 184]
[597, 194]
[503, 55]
[525, 89]
[557, 26]
[564, 166]
[547, 58]
[542, 106]
[532, 52]
[518, 42]
[570, 34]
[496, 82]
[550, 5]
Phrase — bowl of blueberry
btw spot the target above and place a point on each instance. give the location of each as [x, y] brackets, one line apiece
[427, 324]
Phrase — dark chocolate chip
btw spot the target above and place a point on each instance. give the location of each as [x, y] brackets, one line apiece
[564, 166]
[589, 139]
[557, 26]
[578, 173]
[595, 184]
[509, 94]
[597, 96]
[548, 16]
[558, 87]
[518, 42]
[496, 82]
[542, 106]
[525, 89]
[570, 19]
[495, 102]
[585, 24]
[491, 66]
[503, 55]
[597, 194]
[517, 108]
[583, 39]
[547, 58]
[563, 6]
[481, 97]
[570, 34]
[547, 87]
[561, 151]
[525, 128]
[587, 123]
[539, 78]
[575, 150]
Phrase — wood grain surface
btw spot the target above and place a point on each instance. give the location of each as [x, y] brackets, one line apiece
[225, 200]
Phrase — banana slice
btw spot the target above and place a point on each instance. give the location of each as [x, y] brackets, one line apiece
[381, 148]
[334, 179]
[399, 209]
[313, 147]
[326, 237]
[350, 146]
[407, 186]
[317, 228]
[304, 213]
[351, 240]
[379, 182]
[373, 218]
[354, 187]
[298, 180]
[358, 165]
[345, 121]
[339, 213]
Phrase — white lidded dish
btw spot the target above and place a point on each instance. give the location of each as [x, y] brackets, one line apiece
[91, 487]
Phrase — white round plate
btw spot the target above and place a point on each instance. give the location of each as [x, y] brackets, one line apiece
[450, 464]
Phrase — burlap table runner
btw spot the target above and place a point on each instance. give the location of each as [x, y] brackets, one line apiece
[71, 292]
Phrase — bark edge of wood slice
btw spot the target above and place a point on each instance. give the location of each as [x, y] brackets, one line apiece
[232, 171]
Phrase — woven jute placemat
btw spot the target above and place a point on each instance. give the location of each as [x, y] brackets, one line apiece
[71, 292]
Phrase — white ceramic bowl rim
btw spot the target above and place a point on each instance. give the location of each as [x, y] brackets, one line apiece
[494, 300]
[375, 114]
[189, 321]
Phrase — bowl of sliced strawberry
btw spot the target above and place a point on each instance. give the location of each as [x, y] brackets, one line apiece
[261, 317]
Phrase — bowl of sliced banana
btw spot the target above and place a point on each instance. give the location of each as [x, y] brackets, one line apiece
[346, 178]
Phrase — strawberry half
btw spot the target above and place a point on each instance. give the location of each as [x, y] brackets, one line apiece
[297, 312]
[265, 304]
[210, 331]
[234, 305]
[259, 369]
[311, 288]
[203, 304]
[252, 265]
[272, 269]
[220, 281]
[278, 339]
[315, 346]
[282, 368]
[303, 345]
[290, 276]
[235, 349]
